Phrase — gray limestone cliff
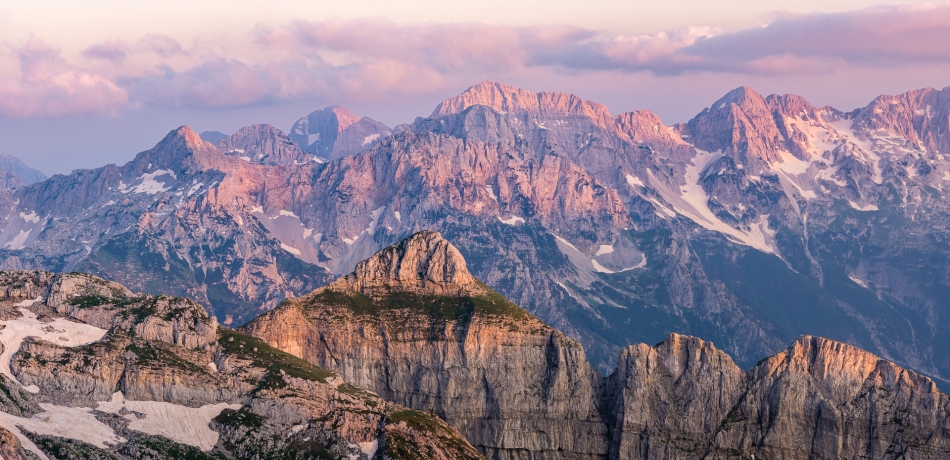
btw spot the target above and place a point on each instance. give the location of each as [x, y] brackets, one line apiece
[411, 323]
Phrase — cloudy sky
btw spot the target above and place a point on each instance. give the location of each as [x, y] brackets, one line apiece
[87, 83]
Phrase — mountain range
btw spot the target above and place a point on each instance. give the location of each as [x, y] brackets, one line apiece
[757, 221]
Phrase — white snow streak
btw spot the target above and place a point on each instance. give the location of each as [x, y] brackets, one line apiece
[185, 425]
[634, 181]
[31, 217]
[369, 139]
[19, 242]
[68, 422]
[290, 249]
[604, 249]
[513, 220]
[491, 192]
[149, 185]
[60, 331]
[867, 207]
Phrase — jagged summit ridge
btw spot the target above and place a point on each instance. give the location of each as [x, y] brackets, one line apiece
[509, 99]
[425, 263]
[263, 144]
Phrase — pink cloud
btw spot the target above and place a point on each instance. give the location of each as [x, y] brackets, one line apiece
[48, 86]
[369, 59]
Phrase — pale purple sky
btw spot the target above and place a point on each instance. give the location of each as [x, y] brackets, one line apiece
[87, 83]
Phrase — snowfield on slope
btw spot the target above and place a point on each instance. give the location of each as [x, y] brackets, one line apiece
[60, 331]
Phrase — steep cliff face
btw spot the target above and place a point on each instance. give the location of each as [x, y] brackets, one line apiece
[826, 399]
[413, 324]
[667, 401]
[95, 371]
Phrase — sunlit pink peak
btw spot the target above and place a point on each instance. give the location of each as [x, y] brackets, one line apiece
[506, 98]
[344, 117]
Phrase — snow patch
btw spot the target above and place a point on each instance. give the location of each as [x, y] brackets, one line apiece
[600, 268]
[311, 138]
[398, 216]
[31, 217]
[245, 158]
[946, 175]
[370, 139]
[858, 282]
[513, 220]
[182, 424]
[290, 249]
[68, 422]
[634, 181]
[60, 331]
[287, 213]
[491, 192]
[867, 207]
[149, 185]
[369, 448]
[195, 188]
[691, 201]
[19, 241]
[604, 249]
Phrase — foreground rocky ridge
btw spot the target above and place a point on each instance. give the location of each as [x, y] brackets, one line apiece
[92, 370]
[413, 324]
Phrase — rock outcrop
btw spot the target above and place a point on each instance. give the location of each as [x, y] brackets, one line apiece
[104, 373]
[414, 325]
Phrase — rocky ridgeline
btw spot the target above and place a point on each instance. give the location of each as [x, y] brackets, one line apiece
[517, 389]
[160, 379]
[762, 219]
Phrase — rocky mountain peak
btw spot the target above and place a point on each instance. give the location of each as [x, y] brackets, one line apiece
[335, 132]
[16, 166]
[424, 263]
[263, 144]
[840, 371]
[920, 116]
[646, 126]
[521, 102]
[746, 125]
[180, 150]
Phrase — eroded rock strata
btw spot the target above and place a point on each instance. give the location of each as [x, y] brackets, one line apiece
[96, 371]
[414, 325]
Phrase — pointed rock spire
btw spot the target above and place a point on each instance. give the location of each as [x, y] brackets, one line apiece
[424, 263]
